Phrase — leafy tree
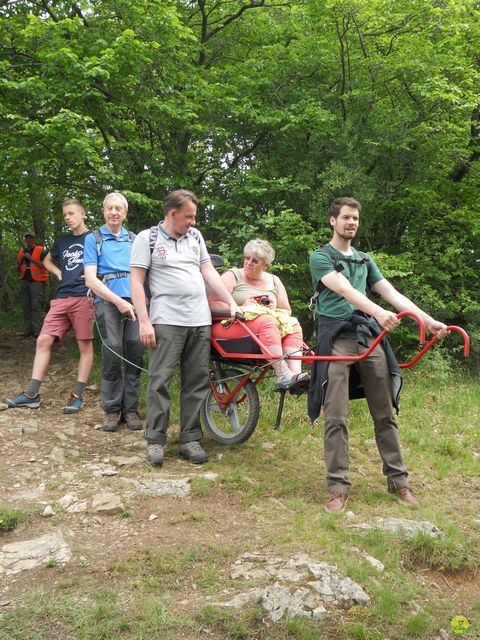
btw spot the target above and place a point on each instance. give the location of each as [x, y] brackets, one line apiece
[267, 109]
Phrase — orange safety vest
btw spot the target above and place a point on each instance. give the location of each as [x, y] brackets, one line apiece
[39, 274]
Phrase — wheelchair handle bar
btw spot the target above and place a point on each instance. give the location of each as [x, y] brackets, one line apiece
[266, 355]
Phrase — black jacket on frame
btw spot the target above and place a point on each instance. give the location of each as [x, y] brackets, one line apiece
[366, 329]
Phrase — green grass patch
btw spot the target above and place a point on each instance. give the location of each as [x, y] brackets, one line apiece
[234, 625]
[451, 553]
[201, 487]
[11, 518]
[101, 615]
[270, 499]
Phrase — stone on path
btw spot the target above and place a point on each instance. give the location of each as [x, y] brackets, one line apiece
[34, 494]
[57, 455]
[400, 526]
[376, 564]
[308, 599]
[107, 503]
[268, 446]
[102, 470]
[178, 487]
[72, 503]
[19, 556]
[30, 428]
[48, 512]
[124, 461]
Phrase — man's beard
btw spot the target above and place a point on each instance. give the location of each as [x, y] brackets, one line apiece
[350, 236]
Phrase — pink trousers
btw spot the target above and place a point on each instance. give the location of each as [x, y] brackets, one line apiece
[269, 334]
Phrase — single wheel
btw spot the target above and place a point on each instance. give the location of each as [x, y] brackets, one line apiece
[235, 422]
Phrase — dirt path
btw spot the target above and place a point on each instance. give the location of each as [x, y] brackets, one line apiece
[33, 476]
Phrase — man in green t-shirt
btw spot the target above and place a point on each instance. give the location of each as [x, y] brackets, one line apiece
[347, 319]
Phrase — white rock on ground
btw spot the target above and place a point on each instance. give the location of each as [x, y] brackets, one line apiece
[107, 503]
[20, 556]
[400, 526]
[33, 495]
[101, 470]
[376, 564]
[72, 503]
[308, 599]
[57, 455]
[179, 488]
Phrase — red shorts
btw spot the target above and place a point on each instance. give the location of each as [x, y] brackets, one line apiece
[69, 312]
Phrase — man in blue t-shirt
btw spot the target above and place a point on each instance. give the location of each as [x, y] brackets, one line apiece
[107, 274]
[70, 308]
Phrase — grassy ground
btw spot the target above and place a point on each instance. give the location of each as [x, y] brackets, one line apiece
[270, 499]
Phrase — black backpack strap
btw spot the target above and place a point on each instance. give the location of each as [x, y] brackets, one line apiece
[98, 241]
[338, 266]
[152, 238]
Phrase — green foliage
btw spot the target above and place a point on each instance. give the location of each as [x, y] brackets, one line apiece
[11, 518]
[267, 111]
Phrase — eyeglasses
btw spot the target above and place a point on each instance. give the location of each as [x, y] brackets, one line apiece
[251, 259]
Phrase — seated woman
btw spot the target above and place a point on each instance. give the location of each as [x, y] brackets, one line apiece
[263, 300]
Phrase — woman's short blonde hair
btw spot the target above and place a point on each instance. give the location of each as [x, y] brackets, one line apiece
[260, 249]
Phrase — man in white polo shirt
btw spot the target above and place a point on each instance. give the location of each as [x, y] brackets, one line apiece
[178, 327]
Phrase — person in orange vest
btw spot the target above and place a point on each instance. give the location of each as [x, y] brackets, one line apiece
[33, 276]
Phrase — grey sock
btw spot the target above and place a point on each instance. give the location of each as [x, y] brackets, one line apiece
[33, 388]
[79, 388]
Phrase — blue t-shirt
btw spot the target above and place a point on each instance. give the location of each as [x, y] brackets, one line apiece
[114, 258]
[67, 251]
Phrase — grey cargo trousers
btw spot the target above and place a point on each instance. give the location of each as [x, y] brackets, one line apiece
[375, 378]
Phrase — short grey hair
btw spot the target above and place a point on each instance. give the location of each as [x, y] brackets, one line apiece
[116, 194]
[260, 249]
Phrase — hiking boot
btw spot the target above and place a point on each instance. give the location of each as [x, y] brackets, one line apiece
[74, 404]
[404, 495]
[132, 421]
[194, 452]
[155, 454]
[336, 502]
[111, 422]
[22, 400]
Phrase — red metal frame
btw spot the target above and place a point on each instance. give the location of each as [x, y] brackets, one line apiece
[256, 360]
[308, 359]
[225, 398]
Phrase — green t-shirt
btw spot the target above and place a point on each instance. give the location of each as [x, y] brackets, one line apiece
[358, 274]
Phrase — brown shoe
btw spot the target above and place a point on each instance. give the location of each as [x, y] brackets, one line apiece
[132, 421]
[111, 422]
[336, 502]
[404, 495]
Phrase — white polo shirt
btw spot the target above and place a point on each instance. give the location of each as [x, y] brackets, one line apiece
[176, 283]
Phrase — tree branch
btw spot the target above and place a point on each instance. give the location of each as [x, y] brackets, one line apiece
[464, 166]
[342, 60]
[247, 151]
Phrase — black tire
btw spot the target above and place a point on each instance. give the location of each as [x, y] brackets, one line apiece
[237, 423]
